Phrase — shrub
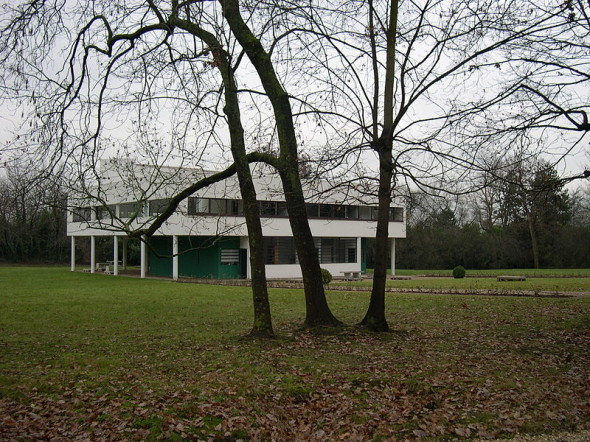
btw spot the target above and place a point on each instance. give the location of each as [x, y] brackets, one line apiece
[459, 272]
[326, 276]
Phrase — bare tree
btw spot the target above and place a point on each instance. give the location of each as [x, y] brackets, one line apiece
[148, 55]
[429, 90]
[221, 58]
[287, 164]
[149, 66]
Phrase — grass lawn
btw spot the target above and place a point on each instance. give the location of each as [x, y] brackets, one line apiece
[103, 357]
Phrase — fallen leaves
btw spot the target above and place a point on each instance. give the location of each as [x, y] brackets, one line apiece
[476, 378]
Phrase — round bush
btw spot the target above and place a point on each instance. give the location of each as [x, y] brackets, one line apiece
[459, 272]
[326, 276]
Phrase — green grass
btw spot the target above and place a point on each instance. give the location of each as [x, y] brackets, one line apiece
[93, 355]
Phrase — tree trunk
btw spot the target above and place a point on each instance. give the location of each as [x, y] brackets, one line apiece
[317, 310]
[262, 317]
[375, 317]
[534, 242]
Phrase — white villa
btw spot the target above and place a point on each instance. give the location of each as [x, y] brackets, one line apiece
[206, 237]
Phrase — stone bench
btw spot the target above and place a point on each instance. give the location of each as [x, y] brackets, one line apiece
[401, 277]
[511, 278]
[351, 275]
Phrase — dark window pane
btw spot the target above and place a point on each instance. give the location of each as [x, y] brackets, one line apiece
[268, 208]
[397, 214]
[312, 210]
[81, 214]
[279, 250]
[217, 206]
[326, 211]
[365, 212]
[234, 207]
[339, 211]
[158, 206]
[352, 212]
[106, 212]
[282, 209]
[198, 206]
[337, 250]
[129, 210]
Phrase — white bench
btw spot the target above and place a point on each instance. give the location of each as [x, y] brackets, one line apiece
[511, 278]
[352, 275]
[99, 266]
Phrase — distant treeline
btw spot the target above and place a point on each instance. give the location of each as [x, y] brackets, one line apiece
[32, 220]
[429, 246]
[526, 220]
[33, 223]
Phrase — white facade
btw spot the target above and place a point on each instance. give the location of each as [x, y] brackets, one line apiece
[347, 217]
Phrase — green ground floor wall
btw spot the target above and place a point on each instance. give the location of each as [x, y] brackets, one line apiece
[199, 257]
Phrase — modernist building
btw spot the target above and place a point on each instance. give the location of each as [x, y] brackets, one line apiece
[206, 237]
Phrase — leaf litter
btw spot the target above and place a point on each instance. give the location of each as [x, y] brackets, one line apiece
[480, 376]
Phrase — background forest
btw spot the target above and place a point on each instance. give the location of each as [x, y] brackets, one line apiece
[527, 220]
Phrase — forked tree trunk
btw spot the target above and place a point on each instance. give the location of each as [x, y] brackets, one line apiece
[317, 310]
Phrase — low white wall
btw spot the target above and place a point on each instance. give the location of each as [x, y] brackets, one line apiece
[283, 271]
[286, 271]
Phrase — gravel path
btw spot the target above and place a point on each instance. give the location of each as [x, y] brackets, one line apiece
[354, 288]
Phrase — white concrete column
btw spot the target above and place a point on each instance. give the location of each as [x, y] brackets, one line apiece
[248, 266]
[115, 255]
[143, 257]
[124, 257]
[92, 254]
[392, 256]
[175, 257]
[72, 253]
